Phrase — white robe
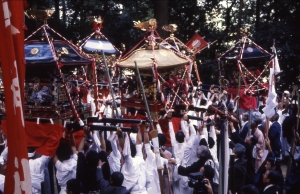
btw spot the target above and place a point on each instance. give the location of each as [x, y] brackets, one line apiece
[37, 167]
[114, 158]
[152, 176]
[2, 182]
[180, 183]
[134, 169]
[66, 170]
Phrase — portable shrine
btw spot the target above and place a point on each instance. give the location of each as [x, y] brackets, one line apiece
[56, 82]
[164, 70]
[93, 46]
[246, 62]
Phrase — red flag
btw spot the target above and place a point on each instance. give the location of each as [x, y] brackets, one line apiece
[17, 179]
[196, 43]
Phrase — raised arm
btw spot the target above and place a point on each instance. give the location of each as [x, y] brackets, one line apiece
[102, 141]
[146, 131]
[86, 130]
[101, 182]
[139, 135]
[184, 126]
[120, 137]
[156, 124]
[212, 97]
[192, 129]
[172, 133]
[73, 144]
[114, 147]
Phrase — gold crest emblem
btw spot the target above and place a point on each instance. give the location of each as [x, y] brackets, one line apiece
[65, 50]
[34, 51]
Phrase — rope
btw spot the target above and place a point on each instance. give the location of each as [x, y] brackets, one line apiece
[75, 114]
[130, 51]
[35, 32]
[251, 74]
[240, 69]
[174, 91]
[86, 40]
[257, 77]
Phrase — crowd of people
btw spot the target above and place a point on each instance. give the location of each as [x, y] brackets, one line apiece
[176, 155]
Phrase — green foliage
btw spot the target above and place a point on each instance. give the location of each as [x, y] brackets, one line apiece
[266, 20]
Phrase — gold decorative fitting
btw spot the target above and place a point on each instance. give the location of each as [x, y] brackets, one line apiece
[34, 51]
[64, 50]
[149, 25]
[170, 28]
[38, 14]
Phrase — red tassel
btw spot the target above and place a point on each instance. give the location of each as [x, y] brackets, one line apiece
[60, 65]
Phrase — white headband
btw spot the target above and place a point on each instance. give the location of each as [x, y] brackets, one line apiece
[30, 155]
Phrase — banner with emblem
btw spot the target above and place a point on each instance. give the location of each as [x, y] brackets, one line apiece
[196, 43]
[17, 179]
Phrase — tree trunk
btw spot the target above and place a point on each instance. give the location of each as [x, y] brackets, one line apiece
[161, 14]
[257, 21]
[276, 9]
[64, 12]
[238, 36]
[76, 13]
[105, 10]
[56, 14]
[228, 18]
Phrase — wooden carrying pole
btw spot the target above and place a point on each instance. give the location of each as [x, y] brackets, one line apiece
[151, 123]
[293, 146]
[110, 86]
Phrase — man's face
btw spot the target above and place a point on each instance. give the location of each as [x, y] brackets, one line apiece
[268, 165]
[265, 177]
[185, 117]
[245, 118]
[201, 169]
[169, 115]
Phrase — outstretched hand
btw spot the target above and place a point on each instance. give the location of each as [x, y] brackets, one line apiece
[155, 120]
[86, 130]
[119, 131]
[267, 141]
[208, 187]
[147, 125]
[100, 163]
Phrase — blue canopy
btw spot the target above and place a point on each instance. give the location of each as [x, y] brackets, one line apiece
[39, 52]
[93, 45]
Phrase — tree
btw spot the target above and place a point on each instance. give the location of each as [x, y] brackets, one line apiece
[216, 20]
[162, 15]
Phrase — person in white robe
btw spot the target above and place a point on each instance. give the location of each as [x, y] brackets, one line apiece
[66, 169]
[114, 156]
[152, 176]
[167, 174]
[134, 168]
[182, 144]
[37, 167]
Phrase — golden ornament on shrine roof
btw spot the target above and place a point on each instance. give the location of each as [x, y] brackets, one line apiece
[34, 51]
[39, 14]
[170, 27]
[149, 25]
[65, 50]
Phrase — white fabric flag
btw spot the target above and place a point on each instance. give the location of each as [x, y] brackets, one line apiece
[276, 63]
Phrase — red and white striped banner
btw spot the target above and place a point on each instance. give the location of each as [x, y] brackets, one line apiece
[17, 179]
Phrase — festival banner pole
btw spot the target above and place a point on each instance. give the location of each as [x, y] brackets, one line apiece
[110, 85]
[293, 146]
[17, 179]
[153, 134]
